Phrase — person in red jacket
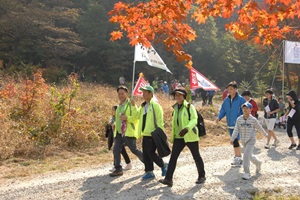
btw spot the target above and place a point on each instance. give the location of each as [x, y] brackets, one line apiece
[247, 95]
[225, 94]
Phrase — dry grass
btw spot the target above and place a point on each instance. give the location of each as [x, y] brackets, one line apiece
[274, 195]
[91, 108]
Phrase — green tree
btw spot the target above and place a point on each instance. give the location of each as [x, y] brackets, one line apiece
[35, 32]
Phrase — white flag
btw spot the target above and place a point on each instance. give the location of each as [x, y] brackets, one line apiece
[292, 52]
[149, 55]
[198, 80]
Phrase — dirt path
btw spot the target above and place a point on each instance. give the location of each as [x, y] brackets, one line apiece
[280, 174]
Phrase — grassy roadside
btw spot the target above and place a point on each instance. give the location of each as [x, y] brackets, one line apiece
[92, 105]
[95, 104]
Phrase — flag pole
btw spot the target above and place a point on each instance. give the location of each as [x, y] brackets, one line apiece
[133, 78]
[283, 56]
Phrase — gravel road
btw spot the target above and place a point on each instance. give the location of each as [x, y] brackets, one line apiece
[280, 175]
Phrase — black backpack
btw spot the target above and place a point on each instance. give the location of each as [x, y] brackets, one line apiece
[200, 122]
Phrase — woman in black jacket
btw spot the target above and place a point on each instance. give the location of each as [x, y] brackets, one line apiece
[293, 118]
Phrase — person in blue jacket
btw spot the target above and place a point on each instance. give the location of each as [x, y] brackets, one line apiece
[231, 108]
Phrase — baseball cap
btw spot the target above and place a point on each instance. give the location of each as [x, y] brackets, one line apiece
[247, 104]
[148, 88]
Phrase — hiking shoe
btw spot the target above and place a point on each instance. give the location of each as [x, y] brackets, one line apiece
[298, 147]
[166, 182]
[117, 172]
[246, 176]
[276, 143]
[267, 146]
[237, 161]
[258, 167]
[164, 169]
[148, 175]
[292, 146]
[200, 180]
[128, 167]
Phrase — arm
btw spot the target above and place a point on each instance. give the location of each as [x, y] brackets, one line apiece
[193, 120]
[132, 118]
[255, 107]
[260, 128]
[136, 111]
[235, 132]
[159, 116]
[222, 112]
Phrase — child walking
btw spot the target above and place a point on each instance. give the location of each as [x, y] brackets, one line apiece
[246, 125]
[109, 134]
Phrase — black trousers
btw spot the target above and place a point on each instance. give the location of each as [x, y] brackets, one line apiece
[150, 155]
[290, 124]
[178, 146]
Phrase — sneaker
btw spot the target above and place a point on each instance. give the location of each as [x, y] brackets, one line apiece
[112, 169]
[292, 146]
[164, 169]
[267, 146]
[246, 176]
[276, 143]
[200, 180]
[237, 161]
[258, 167]
[117, 172]
[128, 167]
[148, 175]
[166, 182]
[298, 147]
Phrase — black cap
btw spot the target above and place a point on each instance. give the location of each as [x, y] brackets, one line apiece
[180, 91]
[269, 91]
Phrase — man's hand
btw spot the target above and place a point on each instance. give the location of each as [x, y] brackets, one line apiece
[217, 120]
[132, 101]
[123, 117]
[183, 132]
[231, 142]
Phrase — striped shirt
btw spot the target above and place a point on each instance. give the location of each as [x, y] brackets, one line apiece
[247, 129]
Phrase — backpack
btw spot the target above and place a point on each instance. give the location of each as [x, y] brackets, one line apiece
[200, 122]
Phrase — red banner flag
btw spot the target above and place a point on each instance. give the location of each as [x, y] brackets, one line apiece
[197, 80]
[141, 83]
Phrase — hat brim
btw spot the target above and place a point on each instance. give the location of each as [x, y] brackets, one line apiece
[145, 89]
[179, 92]
[246, 106]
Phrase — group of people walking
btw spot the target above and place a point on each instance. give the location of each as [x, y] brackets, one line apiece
[132, 122]
[241, 116]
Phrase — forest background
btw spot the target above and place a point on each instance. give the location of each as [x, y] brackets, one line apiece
[74, 36]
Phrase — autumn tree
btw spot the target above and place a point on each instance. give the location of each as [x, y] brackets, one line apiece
[166, 21]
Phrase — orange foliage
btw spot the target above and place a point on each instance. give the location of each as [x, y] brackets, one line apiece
[33, 91]
[166, 21]
[8, 91]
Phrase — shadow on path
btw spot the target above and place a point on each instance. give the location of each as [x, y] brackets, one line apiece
[236, 186]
